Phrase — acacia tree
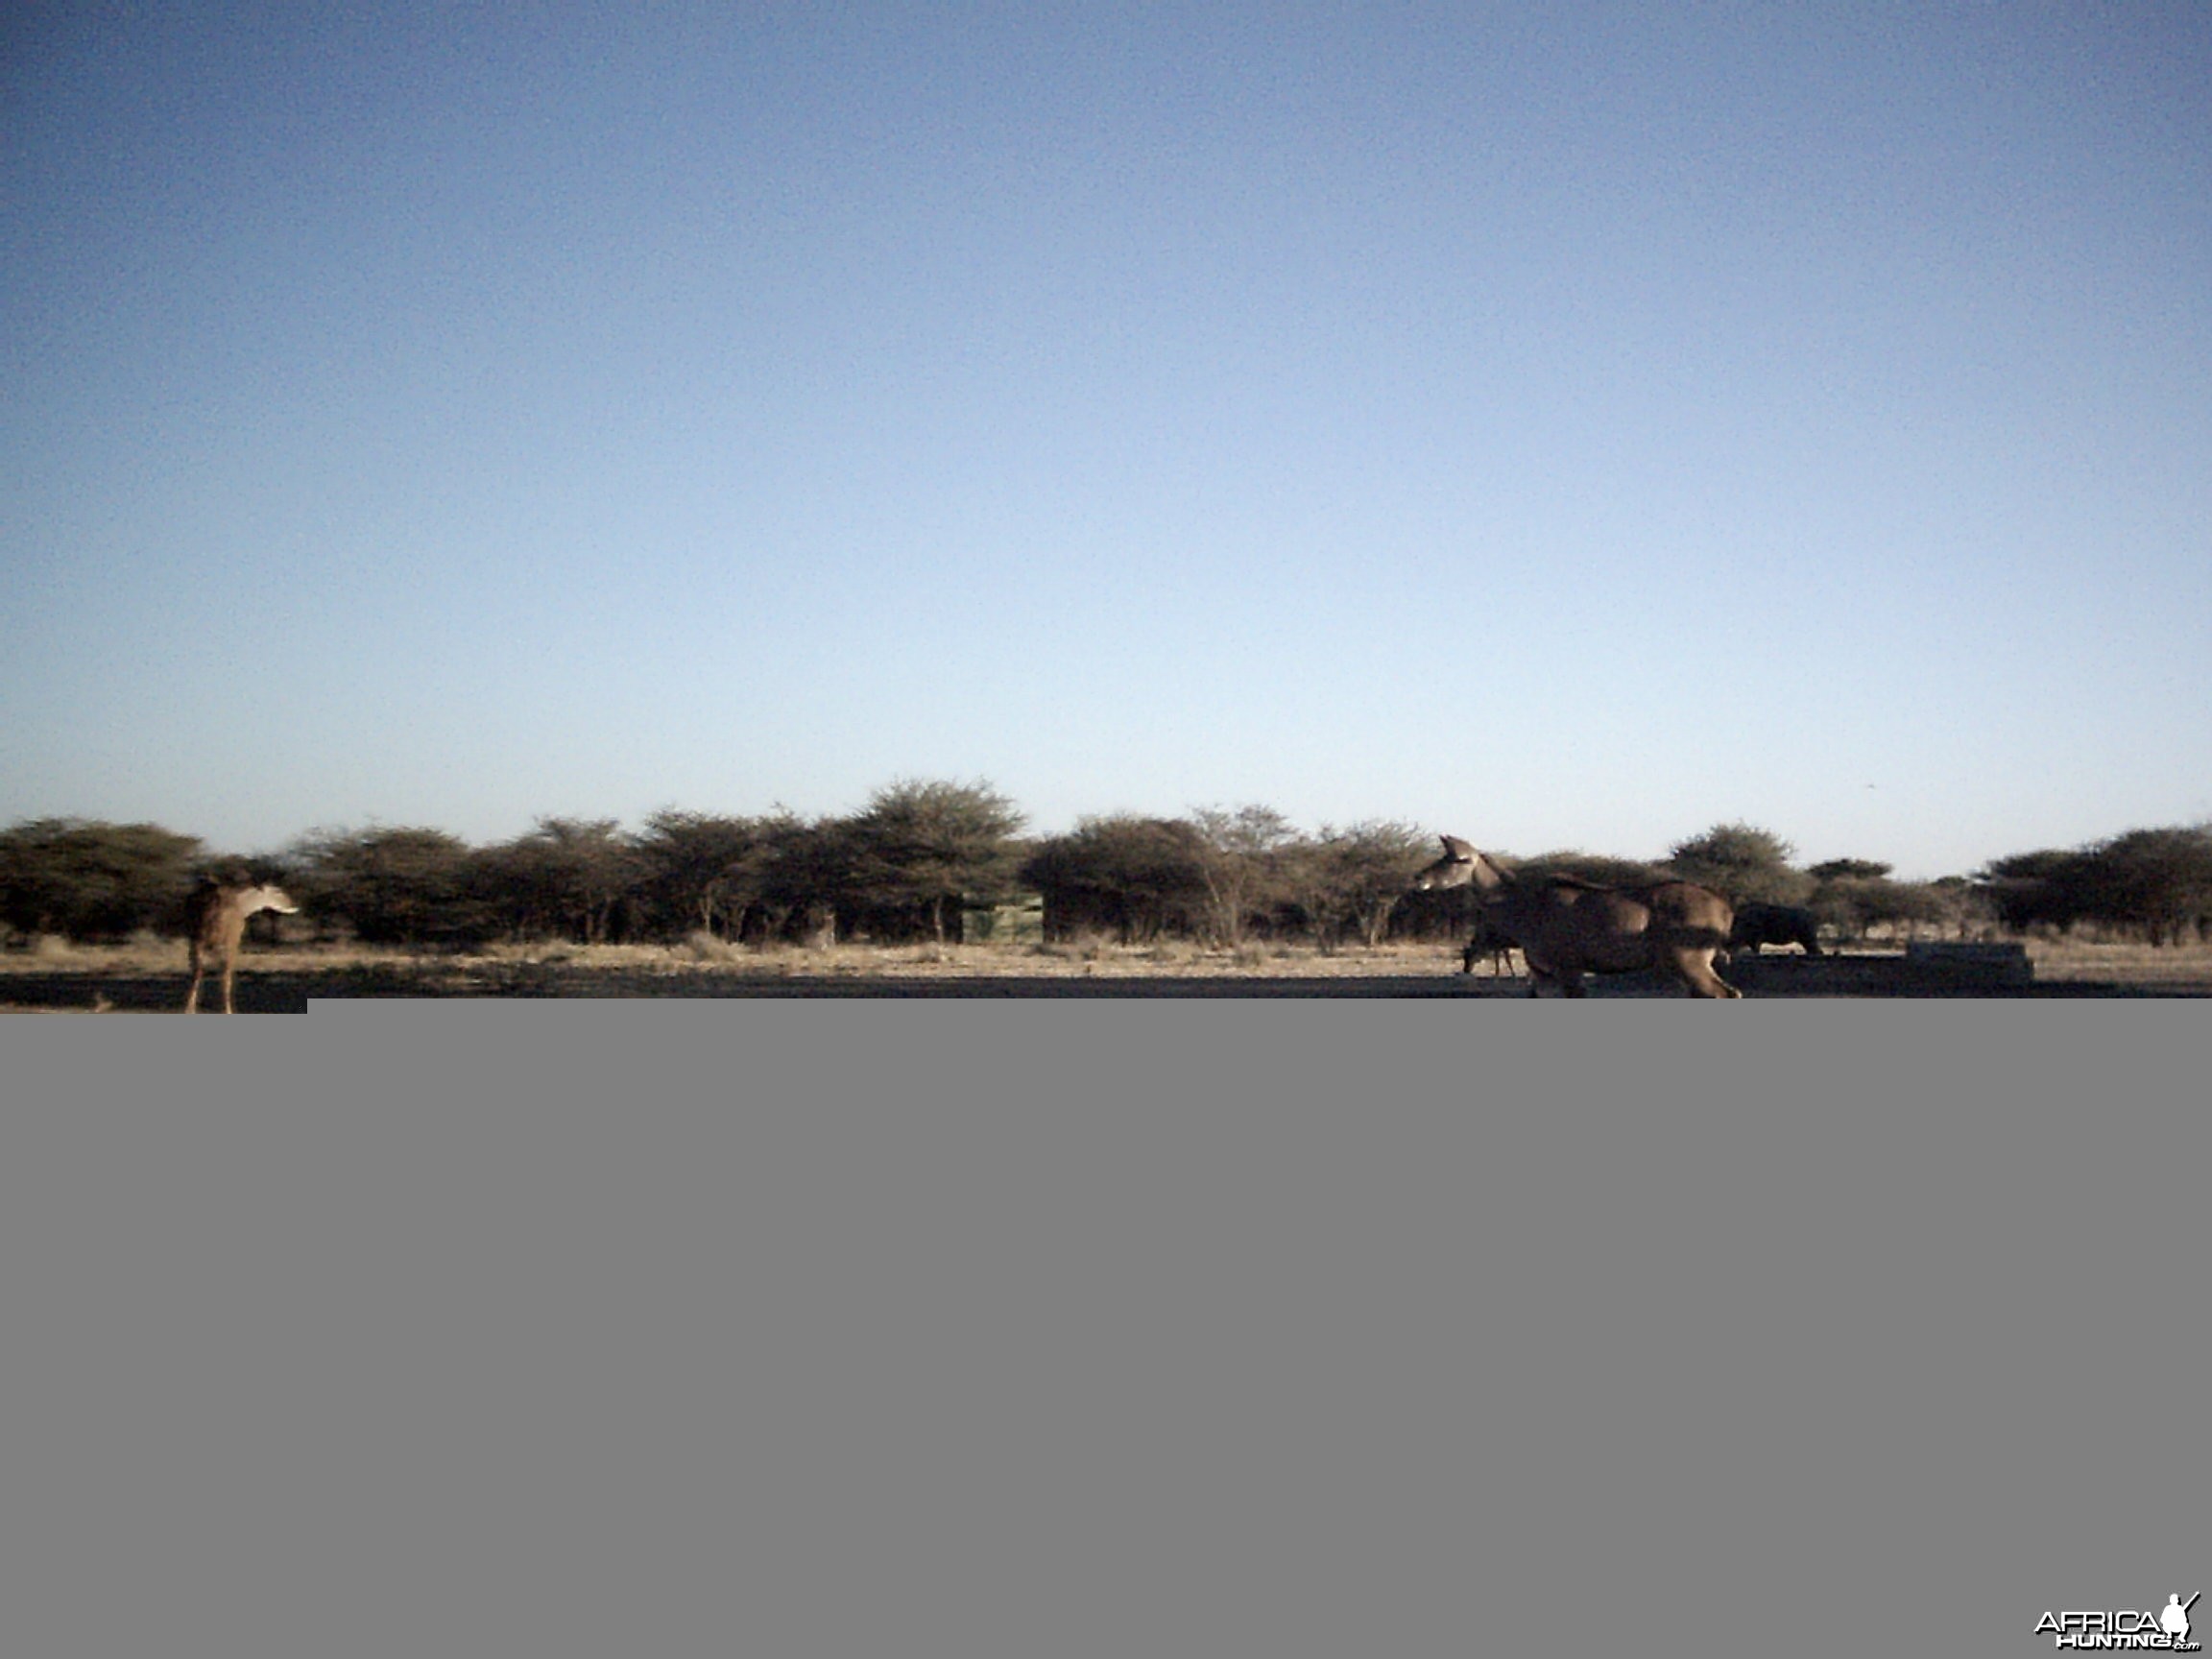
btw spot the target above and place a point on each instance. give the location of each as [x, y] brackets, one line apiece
[1849, 870]
[2156, 881]
[703, 872]
[1857, 906]
[2049, 887]
[1849, 894]
[1238, 861]
[86, 878]
[1960, 905]
[1353, 876]
[806, 876]
[1140, 877]
[1747, 864]
[1307, 878]
[395, 886]
[926, 845]
[567, 874]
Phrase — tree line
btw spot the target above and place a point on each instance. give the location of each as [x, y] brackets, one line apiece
[939, 861]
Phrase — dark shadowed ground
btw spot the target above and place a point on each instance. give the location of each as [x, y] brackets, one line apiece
[289, 992]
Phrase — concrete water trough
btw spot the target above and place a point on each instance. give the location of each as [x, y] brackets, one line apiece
[1976, 964]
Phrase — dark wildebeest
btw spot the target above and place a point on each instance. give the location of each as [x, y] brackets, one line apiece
[1566, 927]
[1488, 942]
[1758, 926]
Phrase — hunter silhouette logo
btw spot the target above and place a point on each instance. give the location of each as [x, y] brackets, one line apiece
[2174, 1621]
[2116, 1629]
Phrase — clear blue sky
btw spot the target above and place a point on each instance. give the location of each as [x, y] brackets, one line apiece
[1562, 426]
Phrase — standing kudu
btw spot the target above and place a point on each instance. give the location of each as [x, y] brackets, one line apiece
[1566, 927]
[217, 915]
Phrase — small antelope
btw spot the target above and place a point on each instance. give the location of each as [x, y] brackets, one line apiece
[217, 917]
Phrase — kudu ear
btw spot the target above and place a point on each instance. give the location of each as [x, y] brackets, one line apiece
[1456, 850]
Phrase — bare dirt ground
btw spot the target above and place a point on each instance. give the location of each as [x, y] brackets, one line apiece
[150, 976]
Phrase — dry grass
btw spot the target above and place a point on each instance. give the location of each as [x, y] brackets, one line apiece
[144, 953]
[2060, 961]
[1089, 957]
